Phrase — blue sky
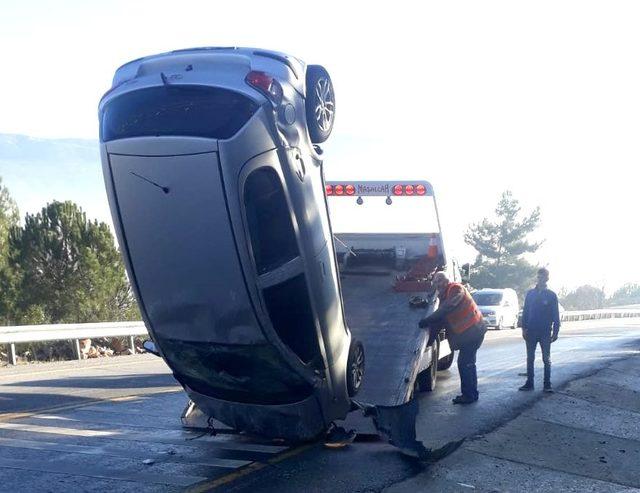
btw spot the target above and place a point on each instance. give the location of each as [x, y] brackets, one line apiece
[477, 97]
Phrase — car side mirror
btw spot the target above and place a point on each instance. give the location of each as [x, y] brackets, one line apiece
[150, 347]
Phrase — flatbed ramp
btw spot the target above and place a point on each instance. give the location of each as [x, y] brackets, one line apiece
[393, 343]
[133, 444]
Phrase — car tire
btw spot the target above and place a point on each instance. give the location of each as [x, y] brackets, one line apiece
[355, 367]
[446, 362]
[426, 381]
[320, 104]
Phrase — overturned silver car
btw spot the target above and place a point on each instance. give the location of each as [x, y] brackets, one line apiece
[216, 189]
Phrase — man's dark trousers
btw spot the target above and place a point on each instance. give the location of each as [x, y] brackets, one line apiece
[544, 339]
[467, 364]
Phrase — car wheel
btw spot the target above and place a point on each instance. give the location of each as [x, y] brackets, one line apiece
[355, 367]
[446, 362]
[320, 104]
[426, 381]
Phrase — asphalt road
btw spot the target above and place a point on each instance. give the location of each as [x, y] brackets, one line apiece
[364, 466]
[582, 348]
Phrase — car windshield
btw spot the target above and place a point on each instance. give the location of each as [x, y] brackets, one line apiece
[487, 299]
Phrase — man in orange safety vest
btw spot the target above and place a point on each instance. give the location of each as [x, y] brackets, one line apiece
[459, 314]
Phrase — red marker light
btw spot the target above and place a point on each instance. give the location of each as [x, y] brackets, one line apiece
[397, 190]
[408, 189]
[328, 189]
[350, 189]
[338, 190]
[420, 189]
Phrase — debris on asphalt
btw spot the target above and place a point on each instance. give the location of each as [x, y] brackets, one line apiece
[148, 462]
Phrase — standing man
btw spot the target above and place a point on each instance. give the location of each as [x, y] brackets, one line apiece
[540, 325]
[459, 314]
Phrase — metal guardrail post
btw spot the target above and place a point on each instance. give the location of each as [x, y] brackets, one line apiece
[132, 344]
[12, 354]
[76, 348]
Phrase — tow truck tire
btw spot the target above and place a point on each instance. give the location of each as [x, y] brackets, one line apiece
[320, 104]
[426, 381]
[355, 367]
[446, 362]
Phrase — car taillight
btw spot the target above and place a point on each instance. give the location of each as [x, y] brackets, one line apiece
[420, 189]
[350, 189]
[338, 190]
[397, 190]
[328, 189]
[266, 84]
[408, 189]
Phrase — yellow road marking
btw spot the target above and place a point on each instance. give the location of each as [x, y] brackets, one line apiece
[245, 471]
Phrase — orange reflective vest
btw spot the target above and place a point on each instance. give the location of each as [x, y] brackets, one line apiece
[466, 314]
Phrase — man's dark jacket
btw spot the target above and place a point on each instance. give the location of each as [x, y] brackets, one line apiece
[540, 314]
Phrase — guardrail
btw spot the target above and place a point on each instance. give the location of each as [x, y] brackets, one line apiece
[575, 316]
[74, 332]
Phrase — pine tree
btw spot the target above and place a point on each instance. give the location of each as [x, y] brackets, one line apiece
[67, 269]
[501, 246]
[9, 218]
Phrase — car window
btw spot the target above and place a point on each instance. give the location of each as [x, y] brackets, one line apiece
[273, 239]
[195, 111]
[487, 299]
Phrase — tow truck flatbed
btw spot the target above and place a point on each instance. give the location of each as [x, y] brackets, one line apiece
[395, 347]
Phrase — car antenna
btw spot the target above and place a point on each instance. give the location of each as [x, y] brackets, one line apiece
[164, 189]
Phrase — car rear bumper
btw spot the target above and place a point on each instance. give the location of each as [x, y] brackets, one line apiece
[298, 421]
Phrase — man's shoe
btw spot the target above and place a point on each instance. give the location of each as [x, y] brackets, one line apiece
[547, 388]
[463, 399]
[526, 386]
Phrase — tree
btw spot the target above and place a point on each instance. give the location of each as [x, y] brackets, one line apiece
[9, 218]
[501, 246]
[67, 269]
[628, 294]
[585, 297]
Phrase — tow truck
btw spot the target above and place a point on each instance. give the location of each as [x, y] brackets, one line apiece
[389, 244]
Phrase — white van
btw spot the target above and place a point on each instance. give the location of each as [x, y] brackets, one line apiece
[499, 307]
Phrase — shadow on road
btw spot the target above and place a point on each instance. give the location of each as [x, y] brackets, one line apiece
[132, 381]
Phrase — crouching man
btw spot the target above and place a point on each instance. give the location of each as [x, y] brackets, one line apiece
[465, 327]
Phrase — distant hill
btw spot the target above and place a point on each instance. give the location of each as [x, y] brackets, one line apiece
[37, 171]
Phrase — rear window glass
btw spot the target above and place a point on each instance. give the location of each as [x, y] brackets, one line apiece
[196, 111]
